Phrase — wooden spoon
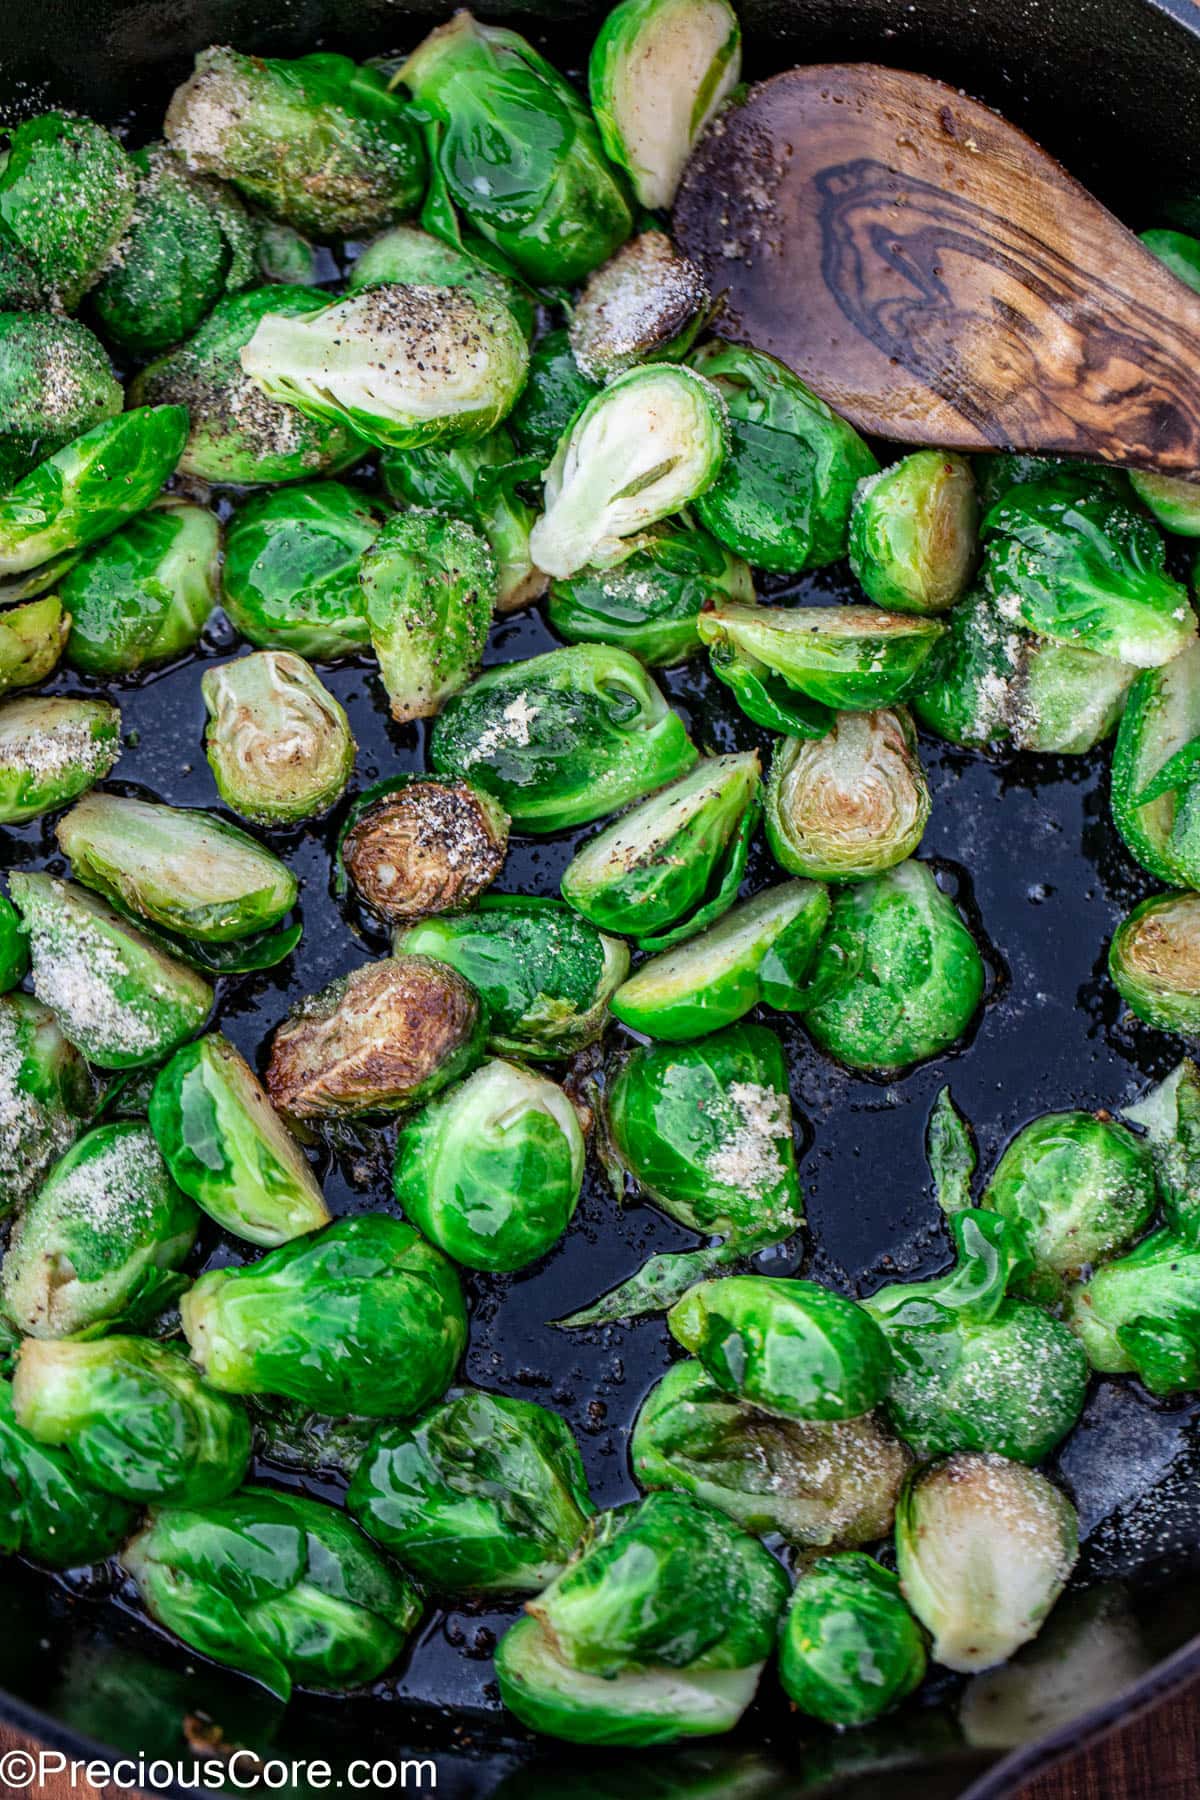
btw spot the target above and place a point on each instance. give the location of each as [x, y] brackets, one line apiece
[938, 278]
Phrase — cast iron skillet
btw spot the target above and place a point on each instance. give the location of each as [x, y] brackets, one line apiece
[1113, 87]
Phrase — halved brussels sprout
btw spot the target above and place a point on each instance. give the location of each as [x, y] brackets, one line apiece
[849, 804]
[481, 1494]
[316, 140]
[556, 390]
[226, 1146]
[144, 595]
[405, 256]
[984, 1548]
[563, 738]
[491, 1171]
[114, 992]
[414, 845]
[1156, 770]
[645, 304]
[545, 976]
[913, 532]
[1169, 1115]
[52, 749]
[1174, 502]
[363, 1318]
[1140, 1315]
[658, 71]
[55, 384]
[841, 656]
[48, 1512]
[1066, 700]
[67, 193]
[47, 1096]
[674, 863]
[759, 952]
[100, 1245]
[277, 741]
[14, 951]
[429, 590]
[134, 1418]
[32, 638]
[645, 445]
[783, 498]
[849, 1649]
[378, 1040]
[1154, 961]
[290, 577]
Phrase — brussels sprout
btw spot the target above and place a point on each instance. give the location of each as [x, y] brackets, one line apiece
[277, 741]
[1179, 252]
[657, 1629]
[14, 951]
[414, 845]
[555, 391]
[913, 532]
[67, 193]
[429, 589]
[363, 1318]
[290, 579]
[645, 304]
[897, 976]
[515, 150]
[113, 991]
[100, 1244]
[645, 445]
[21, 289]
[31, 641]
[1156, 770]
[758, 953]
[650, 601]
[492, 1170]
[849, 1648]
[788, 1347]
[55, 384]
[811, 1483]
[1175, 503]
[46, 1096]
[481, 1494]
[405, 366]
[85, 490]
[1154, 961]
[545, 975]
[408, 257]
[850, 804]
[226, 1147]
[1141, 1314]
[1169, 1114]
[842, 656]
[52, 748]
[563, 738]
[47, 1510]
[1070, 559]
[314, 140]
[984, 1548]
[672, 865]
[379, 1040]
[284, 256]
[143, 597]
[1066, 700]
[134, 1418]
[282, 1587]
[238, 434]
[783, 498]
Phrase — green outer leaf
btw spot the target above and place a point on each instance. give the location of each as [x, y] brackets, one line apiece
[48, 1512]
[1160, 721]
[950, 1149]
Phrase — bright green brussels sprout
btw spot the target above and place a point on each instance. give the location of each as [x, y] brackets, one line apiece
[282, 1587]
[984, 1548]
[674, 863]
[481, 1494]
[1072, 560]
[46, 1096]
[849, 1648]
[363, 1318]
[491, 1171]
[277, 741]
[563, 738]
[238, 434]
[897, 976]
[650, 601]
[317, 141]
[227, 1147]
[658, 1629]
[47, 1510]
[85, 490]
[189, 241]
[1066, 699]
[758, 953]
[658, 71]
[14, 951]
[1156, 770]
[55, 384]
[842, 656]
[144, 595]
[52, 748]
[99, 1246]
[515, 150]
[913, 532]
[112, 989]
[1169, 1114]
[812, 1483]
[134, 1418]
[849, 804]
[973, 1370]
[413, 845]
[378, 1040]
[428, 591]
[789, 1347]
[555, 391]
[290, 579]
[1141, 1314]
[545, 976]
[645, 304]
[67, 193]
[644, 446]
[1154, 961]
[783, 498]
[32, 638]
[405, 256]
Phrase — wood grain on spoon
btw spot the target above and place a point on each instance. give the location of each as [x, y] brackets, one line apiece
[937, 277]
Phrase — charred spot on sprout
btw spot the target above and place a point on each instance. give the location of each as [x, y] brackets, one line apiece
[425, 847]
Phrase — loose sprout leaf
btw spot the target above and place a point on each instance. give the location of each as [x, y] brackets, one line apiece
[950, 1148]
[657, 1285]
